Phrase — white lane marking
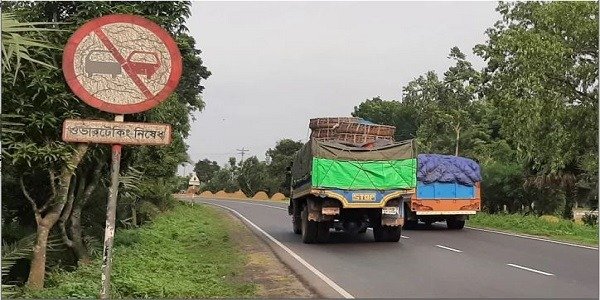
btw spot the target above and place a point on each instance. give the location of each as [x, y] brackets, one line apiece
[531, 270]
[318, 273]
[448, 248]
[532, 238]
[281, 208]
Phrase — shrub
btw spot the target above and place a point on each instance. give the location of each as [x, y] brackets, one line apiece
[590, 219]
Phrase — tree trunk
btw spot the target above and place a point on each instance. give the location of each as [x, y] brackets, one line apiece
[457, 130]
[83, 257]
[84, 192]
[37, 272]
[133, 215]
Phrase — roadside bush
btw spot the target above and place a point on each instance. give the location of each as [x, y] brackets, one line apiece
[502, 184]
[590, 219]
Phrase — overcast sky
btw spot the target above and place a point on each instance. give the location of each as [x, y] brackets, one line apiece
[275, 65]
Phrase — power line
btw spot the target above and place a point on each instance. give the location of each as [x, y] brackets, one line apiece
[242, 151]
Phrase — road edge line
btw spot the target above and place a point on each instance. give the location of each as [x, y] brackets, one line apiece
[303, 262]
[526, 236]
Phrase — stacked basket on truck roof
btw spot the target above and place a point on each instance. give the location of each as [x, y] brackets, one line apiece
[349, 130]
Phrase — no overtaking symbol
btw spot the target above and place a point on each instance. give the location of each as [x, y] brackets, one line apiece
[101, 49]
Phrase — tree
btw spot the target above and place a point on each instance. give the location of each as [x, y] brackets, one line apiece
[402, 115]
[542, 76]
[46, 102]
[253, 176]
[447, 106]
[205, 169]
[280, 158]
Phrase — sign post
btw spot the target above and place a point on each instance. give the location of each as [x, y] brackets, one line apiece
[121, 64]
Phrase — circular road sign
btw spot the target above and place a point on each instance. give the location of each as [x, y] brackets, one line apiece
[122, 64]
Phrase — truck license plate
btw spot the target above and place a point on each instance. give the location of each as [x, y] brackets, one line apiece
[389, 210]
[363, 197]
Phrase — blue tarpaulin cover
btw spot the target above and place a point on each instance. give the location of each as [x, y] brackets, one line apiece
[447, 168]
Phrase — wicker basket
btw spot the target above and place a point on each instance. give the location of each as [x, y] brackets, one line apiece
[319, 123]
[323, 133]
[360, 139]
[369, 129]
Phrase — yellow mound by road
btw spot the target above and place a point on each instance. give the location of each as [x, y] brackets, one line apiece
[261, 196]
[278, 197]
[206, 194]
[221, 194]
[239, 194]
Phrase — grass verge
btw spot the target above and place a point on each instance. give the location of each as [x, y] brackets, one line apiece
[558, 229]
[185, 253]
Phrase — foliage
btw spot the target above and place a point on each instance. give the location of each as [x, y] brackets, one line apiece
[590, 219]
[565, 230]
[542, 76]
[192, 256]
[280, 158]
[402, 115]
[205, 169]
[41, 100]
[253, 176]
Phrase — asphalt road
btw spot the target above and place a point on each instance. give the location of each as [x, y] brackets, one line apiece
[435, 262]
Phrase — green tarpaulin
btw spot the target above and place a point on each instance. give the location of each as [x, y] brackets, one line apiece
[336, 166]
[378, 175]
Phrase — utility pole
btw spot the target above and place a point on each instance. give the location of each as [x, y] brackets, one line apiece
[241, 152]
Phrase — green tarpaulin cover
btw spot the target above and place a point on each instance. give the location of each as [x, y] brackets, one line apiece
[336, 166]
[355, 175]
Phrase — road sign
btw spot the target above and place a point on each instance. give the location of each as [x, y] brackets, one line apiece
[123, 133]
[194, 180]
[122, 64]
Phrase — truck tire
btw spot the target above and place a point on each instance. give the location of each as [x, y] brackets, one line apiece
[323, 232]
[309, 228]
[387, 233]
[297, 224]
[455, 224]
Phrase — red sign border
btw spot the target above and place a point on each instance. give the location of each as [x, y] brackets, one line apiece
[83, 31]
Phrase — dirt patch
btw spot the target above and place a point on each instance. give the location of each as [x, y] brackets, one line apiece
[261, 196]
[272, 278]
[278, 197]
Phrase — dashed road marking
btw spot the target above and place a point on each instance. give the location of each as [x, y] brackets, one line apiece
[531, 270]
[448, 248]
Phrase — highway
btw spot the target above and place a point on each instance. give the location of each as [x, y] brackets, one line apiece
[427, 262]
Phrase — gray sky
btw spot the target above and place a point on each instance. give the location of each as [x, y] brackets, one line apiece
[275, 65]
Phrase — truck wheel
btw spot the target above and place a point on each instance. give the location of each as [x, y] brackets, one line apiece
[387, 233]
[309, 228]
[323, 232]
[453, 223]
[297, 224]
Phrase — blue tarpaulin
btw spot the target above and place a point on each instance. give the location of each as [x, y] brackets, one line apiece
[447, 168]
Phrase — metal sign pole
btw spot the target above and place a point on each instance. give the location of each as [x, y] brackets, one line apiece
[111, 212]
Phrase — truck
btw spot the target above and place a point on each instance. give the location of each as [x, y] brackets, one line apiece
[350, 188]
[448, 189]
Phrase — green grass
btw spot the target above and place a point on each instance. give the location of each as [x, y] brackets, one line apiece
[560, 229]
[186, 253]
